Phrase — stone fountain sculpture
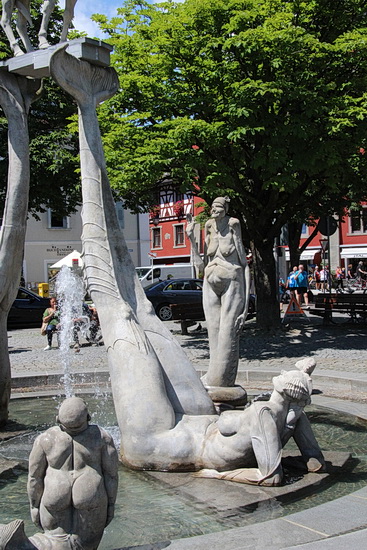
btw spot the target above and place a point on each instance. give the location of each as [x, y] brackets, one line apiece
[226, 293]
[166, 419]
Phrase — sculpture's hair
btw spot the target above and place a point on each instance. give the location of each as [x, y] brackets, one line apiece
[13, 533]
[294, 384]
[224, 201]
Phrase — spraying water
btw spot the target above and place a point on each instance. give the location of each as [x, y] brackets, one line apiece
[70, 294]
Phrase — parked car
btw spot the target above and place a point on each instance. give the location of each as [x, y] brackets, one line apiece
[27, 309]
[179, 291]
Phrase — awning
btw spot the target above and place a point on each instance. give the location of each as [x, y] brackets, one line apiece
[354, 252]
[70, 260]
[306, 254]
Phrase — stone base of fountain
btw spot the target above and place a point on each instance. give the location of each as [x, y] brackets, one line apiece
[228, 497]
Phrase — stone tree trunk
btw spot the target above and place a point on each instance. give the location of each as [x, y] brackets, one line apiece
[16, 95]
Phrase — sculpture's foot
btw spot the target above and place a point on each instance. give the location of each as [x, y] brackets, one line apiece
[315, 465]
[17, 51]
[234, 396]
[43, 45]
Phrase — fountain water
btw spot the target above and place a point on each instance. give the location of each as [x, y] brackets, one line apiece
[70, 293]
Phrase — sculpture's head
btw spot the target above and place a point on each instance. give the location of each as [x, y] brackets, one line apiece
[73, 415]
[220, 207]
[295, 385]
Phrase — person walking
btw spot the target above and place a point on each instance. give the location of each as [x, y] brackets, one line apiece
[339, 276]
[291, 283]
[324, 277]
[301, 280]
[51, 316]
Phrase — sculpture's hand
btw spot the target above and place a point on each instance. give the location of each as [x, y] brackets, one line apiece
[110, 514]
[35, 516]
[190, 227]
[240, 321]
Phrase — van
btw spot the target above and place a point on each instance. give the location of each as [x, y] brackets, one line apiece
[153, 274]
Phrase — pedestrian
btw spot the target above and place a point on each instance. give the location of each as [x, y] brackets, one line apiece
[316, 277]
[339, 278]
[291, 283]
[51, 316]
[301, 280]
[361, 273]
[324, 277]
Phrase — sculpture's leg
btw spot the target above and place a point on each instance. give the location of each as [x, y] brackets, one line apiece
[22, 20]
[146, 396]
[68, 17]
[48, 7]
[8, 7]
[159, 366]
[222, 313]
[16, 94]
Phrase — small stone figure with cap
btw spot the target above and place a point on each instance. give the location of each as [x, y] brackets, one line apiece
[72, 482]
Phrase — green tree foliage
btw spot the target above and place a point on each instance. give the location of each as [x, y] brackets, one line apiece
[263, 100]
[53, 147]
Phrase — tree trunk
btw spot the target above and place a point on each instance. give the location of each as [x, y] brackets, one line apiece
[16, 94]
[294, 235]
[267, 304]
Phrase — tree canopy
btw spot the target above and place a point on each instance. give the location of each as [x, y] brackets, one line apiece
[53, 147]
[262, 100]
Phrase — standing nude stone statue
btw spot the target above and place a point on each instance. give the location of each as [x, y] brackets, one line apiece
[72, 481]
[24, 18]
[225, 294]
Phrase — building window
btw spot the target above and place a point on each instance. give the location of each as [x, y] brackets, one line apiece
[358, 221]
[156, 237]
[179, 235]
[55, 221]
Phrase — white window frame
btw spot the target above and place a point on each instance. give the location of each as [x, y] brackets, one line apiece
[153, 229]
[361, 213]
[175, 245]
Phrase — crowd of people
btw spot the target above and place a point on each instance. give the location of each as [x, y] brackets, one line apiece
[300, 281]
[88, 323]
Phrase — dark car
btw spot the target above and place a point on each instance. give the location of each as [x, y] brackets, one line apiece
[27, 309]
[173, 291]
[179, 291]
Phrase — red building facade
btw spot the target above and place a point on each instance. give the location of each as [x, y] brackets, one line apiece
[348, 245]
[167, 224]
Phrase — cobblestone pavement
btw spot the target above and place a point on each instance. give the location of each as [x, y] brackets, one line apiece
[340, 347]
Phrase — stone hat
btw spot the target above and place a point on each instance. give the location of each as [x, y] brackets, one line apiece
[223, 201]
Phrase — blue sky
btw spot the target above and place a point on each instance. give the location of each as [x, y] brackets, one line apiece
[85, 8]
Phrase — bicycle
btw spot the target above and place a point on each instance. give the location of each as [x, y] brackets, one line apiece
[357, 285]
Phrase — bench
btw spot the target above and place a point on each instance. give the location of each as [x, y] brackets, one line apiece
[352, 304]
[187, 314]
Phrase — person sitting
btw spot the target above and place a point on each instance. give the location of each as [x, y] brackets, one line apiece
[51, 316]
